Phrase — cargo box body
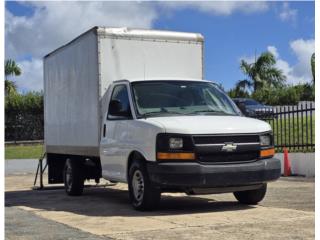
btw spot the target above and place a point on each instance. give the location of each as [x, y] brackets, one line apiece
[77, 76]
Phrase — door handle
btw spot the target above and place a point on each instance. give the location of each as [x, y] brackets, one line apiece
[104, 130]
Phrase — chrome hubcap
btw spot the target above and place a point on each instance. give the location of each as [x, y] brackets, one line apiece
[138, 185]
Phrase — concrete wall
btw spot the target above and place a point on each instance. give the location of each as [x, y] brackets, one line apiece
[301, 163]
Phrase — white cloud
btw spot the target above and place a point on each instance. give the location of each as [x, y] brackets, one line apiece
[287, 13]
[303, 49]
[55, 23]
[219, 7]
[299, 72]
[273, 50]
[283, 65]
[31, 76]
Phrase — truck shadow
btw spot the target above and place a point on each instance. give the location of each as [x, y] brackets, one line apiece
[99, 201]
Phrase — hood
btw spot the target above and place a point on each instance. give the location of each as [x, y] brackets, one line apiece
[211, 124]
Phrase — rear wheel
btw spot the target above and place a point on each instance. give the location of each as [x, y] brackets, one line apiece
[251, 196]
[73, 177]
[143, 194]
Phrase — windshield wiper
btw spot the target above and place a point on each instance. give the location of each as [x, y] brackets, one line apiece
[210, 111]
[163, 111]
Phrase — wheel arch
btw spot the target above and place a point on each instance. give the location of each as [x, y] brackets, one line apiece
[134, 155]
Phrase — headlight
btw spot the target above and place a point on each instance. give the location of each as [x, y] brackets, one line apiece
[175, 143]
[171, 146]
[265, 140]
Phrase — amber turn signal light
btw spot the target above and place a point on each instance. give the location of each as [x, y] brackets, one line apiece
[175, 156]
[267, 152]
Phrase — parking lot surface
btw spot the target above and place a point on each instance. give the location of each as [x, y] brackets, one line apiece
[104, 212]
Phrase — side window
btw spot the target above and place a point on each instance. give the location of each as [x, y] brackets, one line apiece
[119, 106]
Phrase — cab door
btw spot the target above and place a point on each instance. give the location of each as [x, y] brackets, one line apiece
[113, 146]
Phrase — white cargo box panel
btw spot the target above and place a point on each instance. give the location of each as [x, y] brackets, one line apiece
[149, 54]
[71, 88]
[77, 76]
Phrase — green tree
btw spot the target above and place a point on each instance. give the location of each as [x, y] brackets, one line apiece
[262, 73]
[24, 116]
[306, 91]
[286, 95]
[11, 69]
[312, 66]
[10, 87]
[238, 92]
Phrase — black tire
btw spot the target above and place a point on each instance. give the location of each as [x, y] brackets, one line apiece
[73, 177]
[143, 196]
[251, 197]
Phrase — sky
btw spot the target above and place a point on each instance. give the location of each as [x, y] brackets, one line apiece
[232, 31]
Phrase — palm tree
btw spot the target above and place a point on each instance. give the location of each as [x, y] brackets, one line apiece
[11, 69]
[312, 66]
[238, 92]
[10, 87]
[261, 73]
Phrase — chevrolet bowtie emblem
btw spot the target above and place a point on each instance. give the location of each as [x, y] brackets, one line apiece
[229, 147]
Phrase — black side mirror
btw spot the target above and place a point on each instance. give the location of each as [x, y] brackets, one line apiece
[115, 107]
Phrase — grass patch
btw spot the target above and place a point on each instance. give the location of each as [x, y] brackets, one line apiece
[23, 151]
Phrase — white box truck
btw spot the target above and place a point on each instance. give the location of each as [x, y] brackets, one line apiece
[131, 106]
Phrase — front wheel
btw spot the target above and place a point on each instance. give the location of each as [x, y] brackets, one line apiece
[143, 194]
[251, 197]
[73, 177]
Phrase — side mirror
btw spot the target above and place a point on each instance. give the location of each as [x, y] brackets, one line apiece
[115, 107]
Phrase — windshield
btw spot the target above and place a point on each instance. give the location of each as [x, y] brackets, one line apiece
[163, 98]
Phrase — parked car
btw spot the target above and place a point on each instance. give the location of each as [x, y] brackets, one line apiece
[131, 106]
[252, 108]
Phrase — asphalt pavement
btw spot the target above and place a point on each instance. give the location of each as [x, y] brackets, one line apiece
[104, 212]
[20, 166]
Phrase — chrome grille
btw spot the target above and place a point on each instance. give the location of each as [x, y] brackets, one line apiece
[216, 139]
[211, 150]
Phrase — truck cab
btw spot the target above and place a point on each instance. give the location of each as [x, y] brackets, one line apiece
[183, 135]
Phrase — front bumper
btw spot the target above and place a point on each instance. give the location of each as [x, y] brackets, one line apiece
[195, 175]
